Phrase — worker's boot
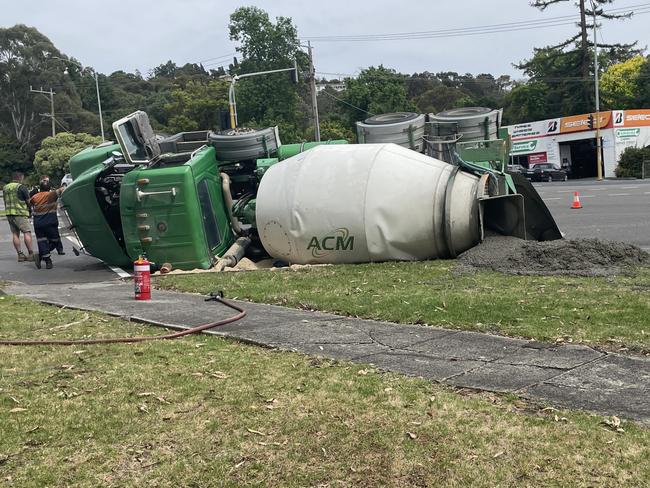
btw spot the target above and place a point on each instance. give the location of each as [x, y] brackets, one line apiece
[37, 261]
[30, 256]
[48, 263]
[21, 257]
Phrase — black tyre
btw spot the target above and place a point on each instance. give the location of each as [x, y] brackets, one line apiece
[550, 179]
[242, 144]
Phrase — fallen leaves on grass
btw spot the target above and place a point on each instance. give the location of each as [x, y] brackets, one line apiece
[614, 423]
[412, 435]
[17, 409]
[256, 432]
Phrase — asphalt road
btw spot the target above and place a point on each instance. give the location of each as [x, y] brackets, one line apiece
[67, 269]
[615, 210]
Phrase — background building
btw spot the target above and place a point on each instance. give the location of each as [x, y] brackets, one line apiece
[568, 142]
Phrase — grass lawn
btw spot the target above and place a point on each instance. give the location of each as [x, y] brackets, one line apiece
[205, 411]
[612, 312]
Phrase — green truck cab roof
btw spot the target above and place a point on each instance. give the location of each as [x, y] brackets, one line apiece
[89, 222]
[90, 157]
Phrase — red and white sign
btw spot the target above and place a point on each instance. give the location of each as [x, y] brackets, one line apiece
[618, 118]
[536, 158]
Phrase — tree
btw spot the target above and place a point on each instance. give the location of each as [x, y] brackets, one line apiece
[25, 59]
[376, 91]
[266, 45]
[567, 67]
[54, 155]
[642, 86]
[11, 158]
[197, 106]
[527, 102]
[618, 85]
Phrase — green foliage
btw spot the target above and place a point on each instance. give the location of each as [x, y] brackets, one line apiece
[618, 85]
[376, 91]
[55, 152]
[265, 45]
[526, 102]
[25, 60]
[566, 69]
[12, 159]
[333, 130]
[631, 160]
[197, 106]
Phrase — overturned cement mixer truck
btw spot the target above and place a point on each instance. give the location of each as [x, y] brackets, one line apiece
[416, 187]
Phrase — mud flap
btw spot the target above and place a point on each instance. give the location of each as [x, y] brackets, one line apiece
[540, 225]
[504, 215]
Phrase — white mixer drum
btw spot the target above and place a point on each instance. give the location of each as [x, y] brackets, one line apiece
[361, 203]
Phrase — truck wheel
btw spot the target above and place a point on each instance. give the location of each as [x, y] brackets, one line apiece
[550, 179]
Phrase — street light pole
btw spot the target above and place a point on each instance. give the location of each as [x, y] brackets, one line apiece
[599, 156]
[232, 105]
[99, 105]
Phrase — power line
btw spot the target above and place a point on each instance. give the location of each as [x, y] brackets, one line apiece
[347, 103]
[475, 30]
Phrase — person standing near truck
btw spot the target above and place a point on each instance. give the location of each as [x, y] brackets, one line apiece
[16, 199]
[45, 180]
[46, 223]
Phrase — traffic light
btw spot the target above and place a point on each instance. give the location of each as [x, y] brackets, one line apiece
[294, 72]
[590, 121]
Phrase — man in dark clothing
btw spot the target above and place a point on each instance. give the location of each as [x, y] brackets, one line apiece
[46, 223]
[16, 199]
[44, 182]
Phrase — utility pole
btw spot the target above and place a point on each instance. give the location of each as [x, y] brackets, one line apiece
[599, 156]
[51, 115]
[314, 98]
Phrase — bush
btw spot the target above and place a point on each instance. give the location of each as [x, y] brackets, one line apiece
[631, 160]
[55, 152]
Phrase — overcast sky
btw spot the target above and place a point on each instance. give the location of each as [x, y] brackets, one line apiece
[141, 34]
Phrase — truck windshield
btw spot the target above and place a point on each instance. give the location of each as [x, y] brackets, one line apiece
[135, 150]
[209, 219]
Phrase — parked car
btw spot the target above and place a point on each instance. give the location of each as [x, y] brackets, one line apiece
[545, 172]
[66, 180]
[516, 168]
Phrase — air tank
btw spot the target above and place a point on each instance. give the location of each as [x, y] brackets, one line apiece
[362, 203]
[403, 128]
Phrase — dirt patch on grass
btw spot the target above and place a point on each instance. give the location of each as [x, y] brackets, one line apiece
[575, 257]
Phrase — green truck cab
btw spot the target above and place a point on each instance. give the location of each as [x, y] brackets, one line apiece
[128, 199]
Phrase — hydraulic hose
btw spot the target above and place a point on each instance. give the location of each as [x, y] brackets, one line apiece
[126, 340]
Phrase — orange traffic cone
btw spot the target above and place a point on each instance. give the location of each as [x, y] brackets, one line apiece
[576, 200]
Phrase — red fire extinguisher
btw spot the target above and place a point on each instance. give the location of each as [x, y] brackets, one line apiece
[142, 278]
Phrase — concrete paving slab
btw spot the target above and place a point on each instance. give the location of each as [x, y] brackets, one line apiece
[548, 355]
[470, 346]
[414, 364]
[503, 377]
[613, 384]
